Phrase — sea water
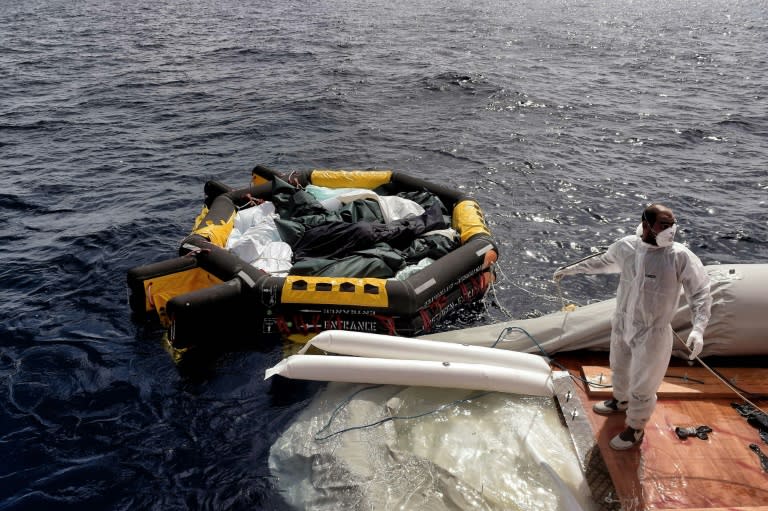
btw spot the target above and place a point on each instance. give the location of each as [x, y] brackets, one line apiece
[562, 118]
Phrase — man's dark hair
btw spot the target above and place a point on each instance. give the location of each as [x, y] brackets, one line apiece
[649, 213]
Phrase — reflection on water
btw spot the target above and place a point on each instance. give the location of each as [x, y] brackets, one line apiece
[561, 118]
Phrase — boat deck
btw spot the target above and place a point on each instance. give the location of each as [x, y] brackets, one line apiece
[665, 472]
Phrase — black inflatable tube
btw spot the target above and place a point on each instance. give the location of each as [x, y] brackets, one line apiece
[449, 196]
[136, 277]
[422, 288]
[213, 189]
[219, 262]
[197, 302]
[203, 316]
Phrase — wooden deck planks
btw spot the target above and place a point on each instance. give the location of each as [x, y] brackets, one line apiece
[688, 382]
[667, 473]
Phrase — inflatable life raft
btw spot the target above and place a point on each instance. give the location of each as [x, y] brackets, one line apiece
[208, 293]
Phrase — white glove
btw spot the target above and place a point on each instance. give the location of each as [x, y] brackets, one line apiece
[695, 344]
[560, 273]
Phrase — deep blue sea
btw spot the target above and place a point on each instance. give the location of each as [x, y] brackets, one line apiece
[563, 118]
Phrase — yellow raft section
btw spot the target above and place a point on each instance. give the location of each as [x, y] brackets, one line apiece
[159, 290]
[468, 220]
[218, 234]
[361, 292]
[368, 179]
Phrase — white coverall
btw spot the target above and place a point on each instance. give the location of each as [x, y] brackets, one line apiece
[646, 300]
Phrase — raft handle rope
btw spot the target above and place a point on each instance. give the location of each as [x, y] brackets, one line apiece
[504, 278]
[568, 308]
[293, 180]
[250, 203]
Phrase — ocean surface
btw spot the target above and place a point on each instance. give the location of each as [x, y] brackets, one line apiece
[562, 118]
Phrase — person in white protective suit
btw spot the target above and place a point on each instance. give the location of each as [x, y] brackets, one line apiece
[653, 268]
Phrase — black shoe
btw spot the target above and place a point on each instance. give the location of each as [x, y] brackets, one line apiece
[627, 439]
[610, 407]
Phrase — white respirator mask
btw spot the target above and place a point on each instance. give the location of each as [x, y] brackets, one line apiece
[663, 239]
[666, 237]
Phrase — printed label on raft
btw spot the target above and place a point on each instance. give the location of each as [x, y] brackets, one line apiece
[359, 312]
[453, 285]
[269, 326]
[313, 323]
[345, 324]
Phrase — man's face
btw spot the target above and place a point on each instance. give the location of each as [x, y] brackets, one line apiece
[664, 220]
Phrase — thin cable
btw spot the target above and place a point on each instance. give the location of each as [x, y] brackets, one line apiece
[546, 355]
[751, 394]
[496, 298]
[506, 279]
[342, 405]
[566, 307]
[319, 438]
[523, 330]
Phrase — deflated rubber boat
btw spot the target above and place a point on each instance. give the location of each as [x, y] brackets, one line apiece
[737, 327]
[294, 255]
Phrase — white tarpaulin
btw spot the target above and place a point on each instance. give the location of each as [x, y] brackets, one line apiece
[479, 450]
